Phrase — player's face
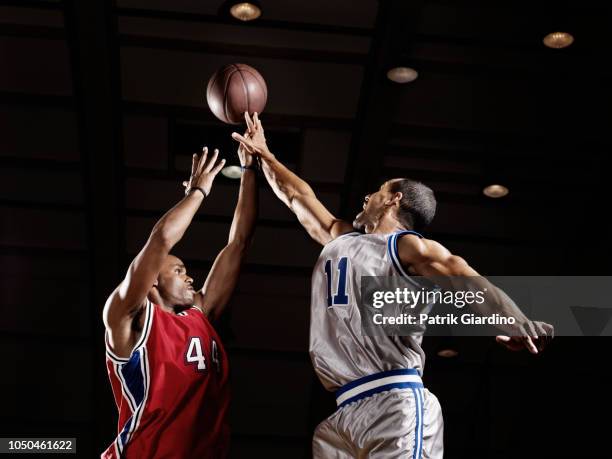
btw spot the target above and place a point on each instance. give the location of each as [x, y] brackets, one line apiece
[174, 285]
[373, 208]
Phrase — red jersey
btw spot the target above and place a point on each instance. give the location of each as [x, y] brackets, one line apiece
[172, 393]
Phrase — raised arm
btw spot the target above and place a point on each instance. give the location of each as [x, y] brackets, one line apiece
[319, 222]
[430, 259]
[223, 276]
[130, 296]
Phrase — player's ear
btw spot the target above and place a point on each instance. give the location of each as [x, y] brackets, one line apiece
[395, 199]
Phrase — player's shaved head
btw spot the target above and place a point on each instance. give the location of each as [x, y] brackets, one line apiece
[173, 284]
[410, 203]
[418, 204]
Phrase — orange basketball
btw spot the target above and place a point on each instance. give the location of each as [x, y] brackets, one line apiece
[235, 89]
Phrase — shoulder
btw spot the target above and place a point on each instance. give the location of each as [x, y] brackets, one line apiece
[414, 248]
[340, 228]
[125, 336]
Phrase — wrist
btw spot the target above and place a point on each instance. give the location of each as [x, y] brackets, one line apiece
[267, 155]
[198, 192]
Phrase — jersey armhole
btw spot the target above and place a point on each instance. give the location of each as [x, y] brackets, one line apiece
[393, 253]
[110, 353]
[148, 320]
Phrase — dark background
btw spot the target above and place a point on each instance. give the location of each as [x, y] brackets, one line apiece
[102, 103]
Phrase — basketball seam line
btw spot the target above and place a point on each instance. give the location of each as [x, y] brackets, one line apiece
[228, 78]
[211, 84]
[264, 88]
[244, 88]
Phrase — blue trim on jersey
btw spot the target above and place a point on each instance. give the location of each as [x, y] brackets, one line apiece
[418, 434]
[402, 232]
[138, 380]
[391, 255]
[374, 377]
[396, 251]
[124, 433]
[376, 390]
[134, 380]
[422, 415]
[134, 383]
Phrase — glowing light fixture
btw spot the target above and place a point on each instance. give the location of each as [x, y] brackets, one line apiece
[448, 353]
[558, 40]
[245, 11]
[495, 191]
[402, 74]
[232, 172]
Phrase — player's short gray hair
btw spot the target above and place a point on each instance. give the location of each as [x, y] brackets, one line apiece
[418, 204]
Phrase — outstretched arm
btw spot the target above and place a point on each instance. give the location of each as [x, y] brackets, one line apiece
[223, 276]
[319, 222]
[129, 297]
[430, 259]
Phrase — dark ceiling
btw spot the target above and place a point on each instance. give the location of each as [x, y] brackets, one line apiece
[101, 103]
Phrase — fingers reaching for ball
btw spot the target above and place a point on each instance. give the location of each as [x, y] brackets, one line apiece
[257, 122]
[204, 171]
[249, 123]
[254, 141]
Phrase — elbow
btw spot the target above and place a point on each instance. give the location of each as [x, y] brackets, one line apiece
[240, 245]
[162, 238]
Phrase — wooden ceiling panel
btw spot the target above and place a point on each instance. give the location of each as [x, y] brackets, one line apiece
[268, 320]
[32, 132]
[501, 221]
[489, 21]
[55, 371]
[180, 78]
[495, 259]
[63, 312]
[37, 227]
[238, 34]
[46, 70]
[339, 12]
[59, 187]
[31, 16]
[268, 390]
[325, 155]
[204, 240]
[463, 102]
[145, 141]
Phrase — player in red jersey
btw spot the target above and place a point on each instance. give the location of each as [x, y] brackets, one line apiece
[166, 364]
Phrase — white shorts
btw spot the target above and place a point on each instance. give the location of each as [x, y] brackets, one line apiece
[382, 418]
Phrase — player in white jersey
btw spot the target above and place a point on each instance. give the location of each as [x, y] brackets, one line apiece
[383, 409]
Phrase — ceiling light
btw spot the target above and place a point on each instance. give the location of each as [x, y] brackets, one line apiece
[448, 353]
[558, 40]
[402, 74]
[232, 172]
[245, 11]
[495, 191]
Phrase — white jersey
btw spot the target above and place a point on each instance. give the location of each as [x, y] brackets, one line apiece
[339, 351]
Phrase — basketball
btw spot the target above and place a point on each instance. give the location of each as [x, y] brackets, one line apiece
[235, 89]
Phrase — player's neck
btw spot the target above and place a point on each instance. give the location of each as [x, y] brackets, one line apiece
[155, 298]
[387, 225]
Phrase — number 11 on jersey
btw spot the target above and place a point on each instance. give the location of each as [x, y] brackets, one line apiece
[340, 298]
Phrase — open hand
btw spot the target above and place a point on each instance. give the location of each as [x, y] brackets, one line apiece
[254, 143]
[203, 171]
[533, 336]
